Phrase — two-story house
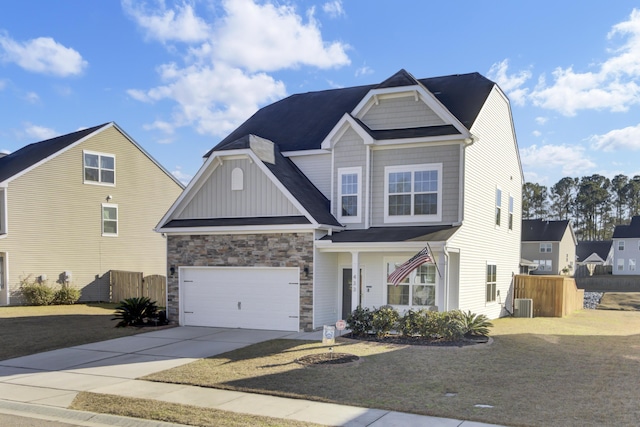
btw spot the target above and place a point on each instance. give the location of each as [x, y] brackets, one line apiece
[300, 214]
[626, 248]
[78, 205]
[549, 244]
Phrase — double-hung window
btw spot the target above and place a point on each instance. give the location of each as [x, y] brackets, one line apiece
[621, 245]
[498, 206]
[109, 220]
[510, 212]
[416, 290]
[413, 193]
[99, 168]
[492, 282]
[546, 248]
[349, 194]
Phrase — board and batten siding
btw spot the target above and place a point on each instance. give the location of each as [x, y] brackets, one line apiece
[447, 155]
[490, 162]
[349, 152]
[259, 195]
[316, 167]
[400, 113]
[56, 219]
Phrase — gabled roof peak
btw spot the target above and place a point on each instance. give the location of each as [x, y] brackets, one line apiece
[401, 78]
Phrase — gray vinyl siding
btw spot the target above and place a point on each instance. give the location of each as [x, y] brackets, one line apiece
[492, 161]
[631, 251]
[259, 196]
[316, 167]
[531, 252]
[326, 289]
[447, 155]
[55, 219]
[349, 151]
[400, 113]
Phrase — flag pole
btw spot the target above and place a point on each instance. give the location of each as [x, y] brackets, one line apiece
[434, 261]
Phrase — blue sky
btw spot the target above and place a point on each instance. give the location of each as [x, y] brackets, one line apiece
[178, 76]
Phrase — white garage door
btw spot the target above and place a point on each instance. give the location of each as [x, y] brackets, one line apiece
[248, 297]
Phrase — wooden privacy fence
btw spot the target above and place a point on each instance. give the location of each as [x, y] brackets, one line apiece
[131, 284]
[553, 296]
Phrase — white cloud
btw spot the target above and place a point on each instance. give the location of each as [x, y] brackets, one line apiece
[181, 176]
[617, 139]
[611, 85]
[42, 55]
[536, 133]
[364, 71]
[541, 120]
[32, 98]
[571, 159]
[165, 25]
[511, 84]
[39, 133]
[333, 8]
[225, 78]
[267, 37]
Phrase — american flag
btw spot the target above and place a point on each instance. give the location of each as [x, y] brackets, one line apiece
[403, 271]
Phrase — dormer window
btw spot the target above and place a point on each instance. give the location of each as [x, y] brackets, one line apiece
[349, 184]
[99, 168]
[413, 193]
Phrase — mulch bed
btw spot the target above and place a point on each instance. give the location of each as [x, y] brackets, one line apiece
[327, 359]
[398, 339]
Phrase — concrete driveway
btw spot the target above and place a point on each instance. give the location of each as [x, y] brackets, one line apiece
[55, 377]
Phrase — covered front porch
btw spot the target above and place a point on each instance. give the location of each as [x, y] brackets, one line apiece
[367, 257]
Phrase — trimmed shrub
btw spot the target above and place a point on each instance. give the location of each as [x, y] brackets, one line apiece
[135, 311]
[360, 321]
[411, 323]
[442, 325]
[36, 293]
[384, 320]
[66, 295]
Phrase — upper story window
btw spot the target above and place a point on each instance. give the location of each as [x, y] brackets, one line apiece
[621, 245]
[109, 220]
[99, 168]
[498, 205]
[510, 212]
[349, 194]
[413, 193]
[545, 247]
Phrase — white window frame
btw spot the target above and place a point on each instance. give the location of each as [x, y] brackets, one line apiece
[621, 245]
[410, 281]
[546, 248]
[620, 265]
[99, 181]
[350, 171]
[510, 220]
[498, 213]
[493, 283]
[102, 219]
[544, 264]
[632, 264]
[427, 167]
[3, 211]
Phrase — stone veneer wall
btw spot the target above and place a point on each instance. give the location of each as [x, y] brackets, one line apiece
[243, 250]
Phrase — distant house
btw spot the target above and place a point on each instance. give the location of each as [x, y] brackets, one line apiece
[300, 214]
[626, 248]
[549, 244]
[78, 205]
[592, 253]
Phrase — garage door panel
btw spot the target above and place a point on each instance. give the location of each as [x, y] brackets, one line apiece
[257, 298]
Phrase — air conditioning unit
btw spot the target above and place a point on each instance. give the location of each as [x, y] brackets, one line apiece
[523, 307]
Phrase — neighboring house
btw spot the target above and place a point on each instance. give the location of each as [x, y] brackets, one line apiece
[550, 244]
[76, 206]
[299, 215]
[591, 253]
[626, 248]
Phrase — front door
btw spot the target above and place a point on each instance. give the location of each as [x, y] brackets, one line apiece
[347, 291]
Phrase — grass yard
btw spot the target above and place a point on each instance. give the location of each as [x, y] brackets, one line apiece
[620, 301]
[28, 330]
[582, 370]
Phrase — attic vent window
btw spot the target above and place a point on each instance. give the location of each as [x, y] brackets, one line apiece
[237, 179]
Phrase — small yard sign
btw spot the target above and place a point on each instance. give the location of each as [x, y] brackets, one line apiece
[340, 325]
[329, 335]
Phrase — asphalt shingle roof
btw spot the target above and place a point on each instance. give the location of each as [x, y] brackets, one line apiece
[538, 230]
[588, 247]
[29, 155]
[628, 231]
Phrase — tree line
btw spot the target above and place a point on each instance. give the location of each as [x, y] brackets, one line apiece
[594, 204]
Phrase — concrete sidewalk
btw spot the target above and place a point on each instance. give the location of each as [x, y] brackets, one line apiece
[45, 384]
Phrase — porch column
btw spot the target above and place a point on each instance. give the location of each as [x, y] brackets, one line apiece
[355, 280]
